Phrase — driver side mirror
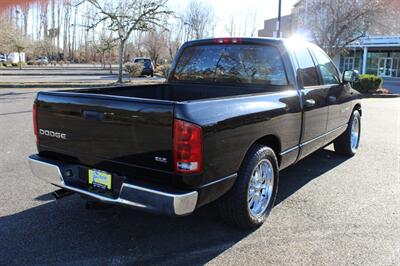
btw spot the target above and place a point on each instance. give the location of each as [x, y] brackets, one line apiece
[351, 76]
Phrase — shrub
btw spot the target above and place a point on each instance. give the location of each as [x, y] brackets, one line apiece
[31, 63]
[368, 83]
[14, 64]
[164, 70]
[133, 70]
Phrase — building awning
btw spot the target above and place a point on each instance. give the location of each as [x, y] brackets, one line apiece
[377, 41]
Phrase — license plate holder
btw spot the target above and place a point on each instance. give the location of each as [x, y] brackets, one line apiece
[100, 179]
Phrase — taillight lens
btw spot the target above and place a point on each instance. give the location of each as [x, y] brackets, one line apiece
[188, 147]
[35, 127]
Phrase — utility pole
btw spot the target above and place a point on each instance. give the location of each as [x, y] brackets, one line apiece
[306, 15]
[278, 23]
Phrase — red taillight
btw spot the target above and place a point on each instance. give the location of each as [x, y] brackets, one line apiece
[228, 40]
[35, 127]
[188, 147]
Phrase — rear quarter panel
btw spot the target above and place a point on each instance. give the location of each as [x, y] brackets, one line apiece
[232, 125]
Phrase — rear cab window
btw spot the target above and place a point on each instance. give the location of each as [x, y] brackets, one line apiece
[145, 62]
[231, 64]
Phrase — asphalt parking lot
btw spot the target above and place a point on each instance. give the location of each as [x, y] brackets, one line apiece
[331, 210]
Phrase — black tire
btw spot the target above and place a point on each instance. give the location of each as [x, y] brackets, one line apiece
[343, 144]
[233, 206]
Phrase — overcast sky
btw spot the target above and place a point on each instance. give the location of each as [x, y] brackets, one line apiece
[224, 9]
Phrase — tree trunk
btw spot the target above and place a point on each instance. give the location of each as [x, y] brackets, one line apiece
[120, 60]
[110, 61]
[19, 59]
[58, 29]
[44, 20]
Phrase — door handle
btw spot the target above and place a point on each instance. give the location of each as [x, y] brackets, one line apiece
[310, 103]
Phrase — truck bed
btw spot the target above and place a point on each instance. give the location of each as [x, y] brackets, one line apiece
[175, 92]
[121, 129]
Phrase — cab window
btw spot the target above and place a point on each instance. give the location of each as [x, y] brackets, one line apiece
[240, 64]
[308, 72]
[329, 73]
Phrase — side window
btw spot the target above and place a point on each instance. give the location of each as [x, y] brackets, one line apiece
[328, 70]
[308, 71]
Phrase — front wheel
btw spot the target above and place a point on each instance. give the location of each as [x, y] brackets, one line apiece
[252, 197]
[347, 143]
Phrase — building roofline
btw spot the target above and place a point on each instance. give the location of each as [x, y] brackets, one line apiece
[376, 41]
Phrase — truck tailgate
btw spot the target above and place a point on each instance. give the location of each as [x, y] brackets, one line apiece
[132, 131]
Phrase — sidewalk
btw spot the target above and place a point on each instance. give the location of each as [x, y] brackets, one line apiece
[392, 84]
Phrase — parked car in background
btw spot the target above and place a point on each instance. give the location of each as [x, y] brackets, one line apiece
[148, 67]
[15, 57]
[3, 58]
[42, 60]
[233, 113]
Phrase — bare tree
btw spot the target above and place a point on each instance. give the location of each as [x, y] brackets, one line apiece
[154, 44]
[243, 23]
[12, 40]
[199, 18]
[251, 22]
[336, 23]
[231, 26]
[105, 45]
[174, 39]
[124, 17]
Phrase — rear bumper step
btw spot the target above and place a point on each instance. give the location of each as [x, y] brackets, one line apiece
[143, 197]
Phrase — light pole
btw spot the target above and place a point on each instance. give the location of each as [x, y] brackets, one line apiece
[278, 23]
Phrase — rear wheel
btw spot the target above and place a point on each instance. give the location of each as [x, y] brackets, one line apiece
[348, 142]
[252, 197]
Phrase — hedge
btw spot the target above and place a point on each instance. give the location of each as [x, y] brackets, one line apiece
[164, 70]
[133, 69]
[368, 83]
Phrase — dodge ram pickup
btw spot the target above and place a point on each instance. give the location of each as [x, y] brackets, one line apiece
[232, 114]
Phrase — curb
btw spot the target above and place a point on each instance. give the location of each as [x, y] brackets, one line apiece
[65, 85]
[58, 74]
[75, 85]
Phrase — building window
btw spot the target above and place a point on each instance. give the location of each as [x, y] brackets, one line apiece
[348, 63]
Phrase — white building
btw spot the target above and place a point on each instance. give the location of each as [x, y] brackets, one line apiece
[377, 54]
[15, 57]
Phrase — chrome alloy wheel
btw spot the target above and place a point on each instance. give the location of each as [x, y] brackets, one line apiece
[355, 133]
[260, 188]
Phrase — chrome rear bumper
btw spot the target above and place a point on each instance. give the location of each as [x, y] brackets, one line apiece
[143, 197]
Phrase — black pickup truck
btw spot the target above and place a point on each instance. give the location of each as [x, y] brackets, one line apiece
[232, 114]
